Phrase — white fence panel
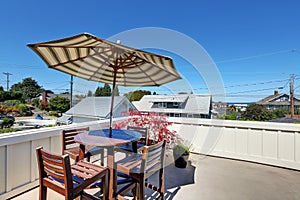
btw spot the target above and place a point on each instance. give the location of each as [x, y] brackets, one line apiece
[241, 141]
[270, 144]
[286, 146]
[2, 169]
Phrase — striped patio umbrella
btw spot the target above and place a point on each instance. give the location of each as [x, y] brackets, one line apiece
[92, 58]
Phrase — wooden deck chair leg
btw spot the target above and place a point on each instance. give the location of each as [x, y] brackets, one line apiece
[161, 183]
[135, 192]
[88, 158]
[43, 192]
[102, 158]
[105, 182]
[142, 187]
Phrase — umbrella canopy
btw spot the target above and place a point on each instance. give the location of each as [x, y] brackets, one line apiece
[92, 58]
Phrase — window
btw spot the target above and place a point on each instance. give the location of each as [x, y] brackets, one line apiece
[162, 104]
[177, 115]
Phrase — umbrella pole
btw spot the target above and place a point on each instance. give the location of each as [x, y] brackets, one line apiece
[112, 103]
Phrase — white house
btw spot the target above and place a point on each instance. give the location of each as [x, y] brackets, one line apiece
[178, 105]
[95, 108]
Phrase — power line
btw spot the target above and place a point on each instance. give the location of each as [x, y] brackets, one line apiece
[257, 56]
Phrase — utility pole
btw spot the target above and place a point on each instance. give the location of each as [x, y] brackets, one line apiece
[7, 79]
[292, 94]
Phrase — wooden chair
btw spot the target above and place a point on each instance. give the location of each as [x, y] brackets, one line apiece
[141, 166]
[70, 147]
[135, 146]
[56, 173]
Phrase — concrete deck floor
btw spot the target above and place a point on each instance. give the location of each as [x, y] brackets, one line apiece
[211, 178]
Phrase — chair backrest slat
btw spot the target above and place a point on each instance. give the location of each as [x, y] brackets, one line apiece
[153, 157]
[143, 131]
[68, 137]
[54, 166]
[56, 173]
[154, 152]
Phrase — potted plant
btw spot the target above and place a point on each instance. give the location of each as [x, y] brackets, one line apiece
[181, 154]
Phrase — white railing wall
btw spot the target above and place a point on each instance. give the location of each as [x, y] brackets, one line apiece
[263, 142]
[18, 165]
[269, 143]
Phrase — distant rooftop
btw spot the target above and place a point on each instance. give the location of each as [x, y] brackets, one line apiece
[187, 103]
[98, 106]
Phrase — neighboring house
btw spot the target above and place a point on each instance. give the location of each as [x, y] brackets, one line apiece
[278, 101]
[95, 108]
[46, 97]
[218, 109]
[179, 105]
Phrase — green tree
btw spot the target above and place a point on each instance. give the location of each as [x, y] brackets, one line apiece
[230, 116]
[98, 92]
[28, 87]
[257, 113]
[5, 95]
[90, 93]
[36, 101]
[106, 90]
[103, 91]
[59, 104]
[137, 95]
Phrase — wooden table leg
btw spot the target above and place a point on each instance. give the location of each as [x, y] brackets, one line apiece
[134, 146]
[112, 173]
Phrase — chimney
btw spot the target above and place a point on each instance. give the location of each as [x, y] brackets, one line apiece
[44, 96]
[275, 92]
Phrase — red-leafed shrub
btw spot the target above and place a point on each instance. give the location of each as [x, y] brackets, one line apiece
[157, 125]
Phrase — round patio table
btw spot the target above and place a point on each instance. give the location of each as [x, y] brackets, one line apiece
[101, 138]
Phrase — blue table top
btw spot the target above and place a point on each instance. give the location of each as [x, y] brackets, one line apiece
[118, 134]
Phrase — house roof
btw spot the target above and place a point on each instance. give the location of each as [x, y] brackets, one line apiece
[285, 120]
[275, 100]
[170, 98]
[96, 106]
[191, 104]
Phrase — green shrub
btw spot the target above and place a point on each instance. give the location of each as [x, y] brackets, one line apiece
[7, 122]
[12, 102]
[23, 109]
[9, 130]
[54, 114]
[180, 149]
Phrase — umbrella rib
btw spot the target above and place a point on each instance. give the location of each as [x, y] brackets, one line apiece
[163, 69]
[100, 55]
[146, 73]
[70, 61]
[155, 65]
[128, 57]
[106, 60]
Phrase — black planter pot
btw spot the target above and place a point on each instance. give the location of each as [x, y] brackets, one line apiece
[181, 161]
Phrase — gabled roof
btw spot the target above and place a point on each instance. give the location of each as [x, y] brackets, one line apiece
[274, 100]
[192, 103]
[96, 106]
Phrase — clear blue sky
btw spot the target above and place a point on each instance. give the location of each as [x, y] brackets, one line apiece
[255, 44]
